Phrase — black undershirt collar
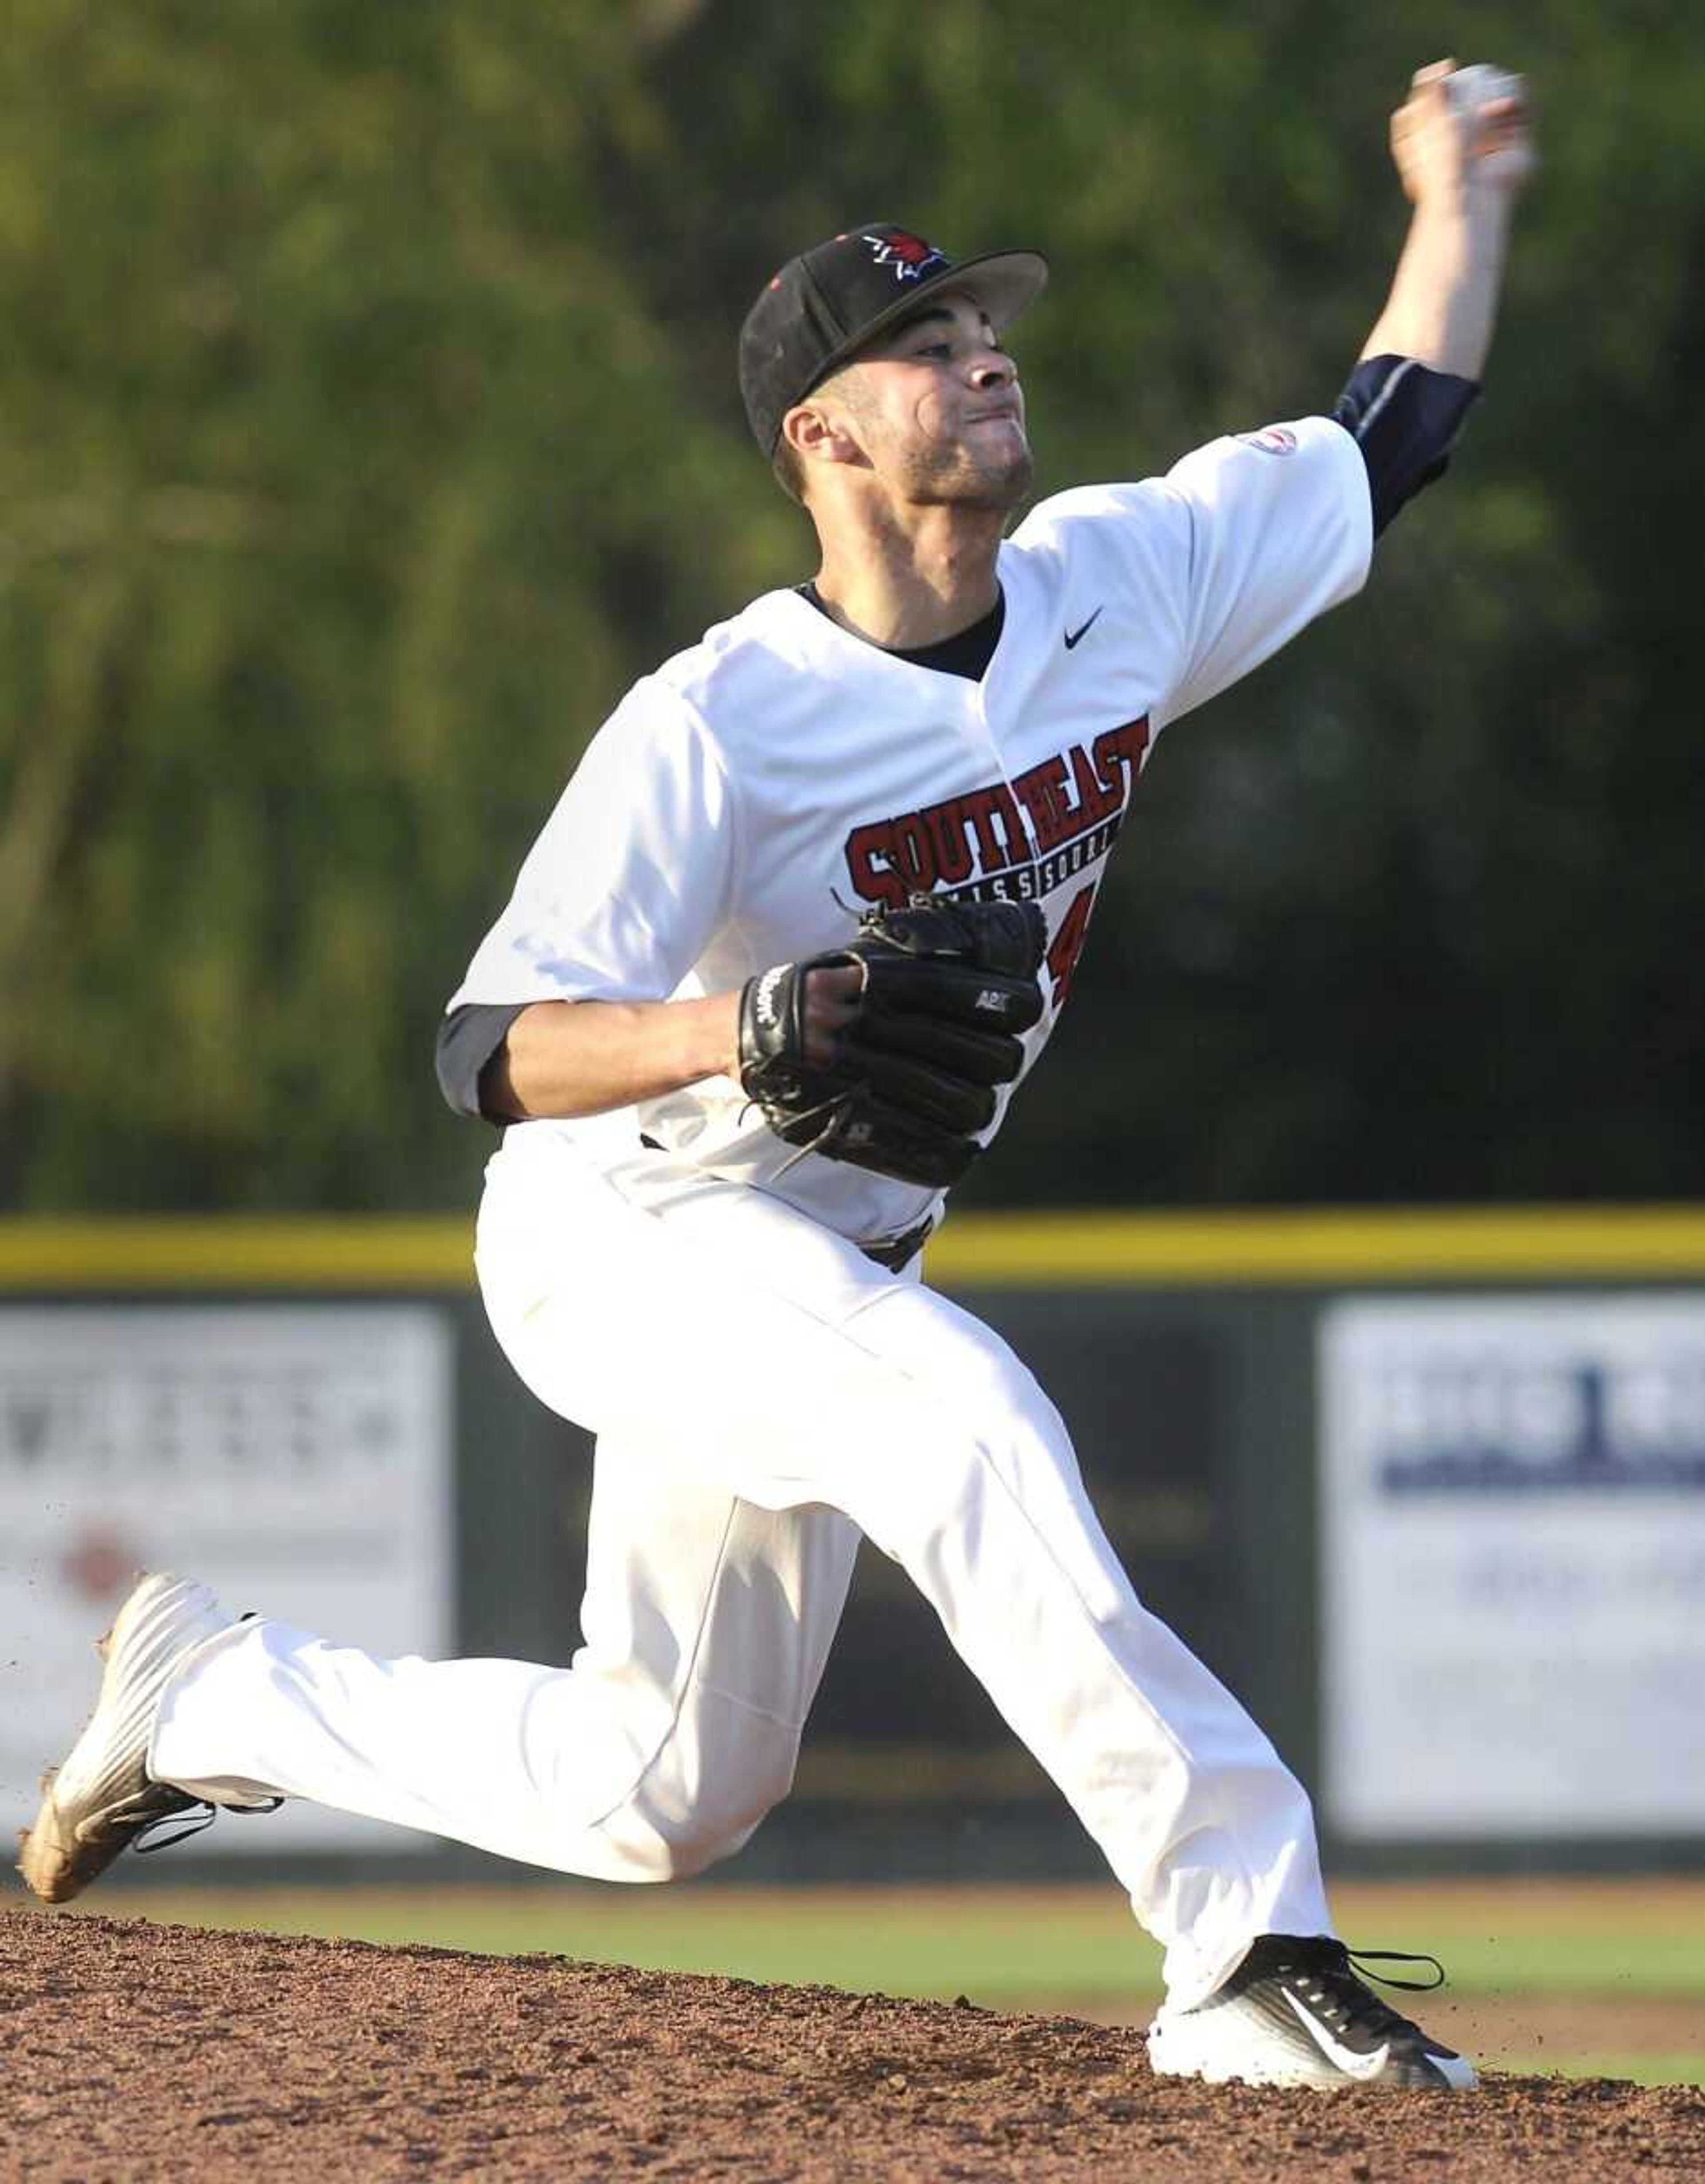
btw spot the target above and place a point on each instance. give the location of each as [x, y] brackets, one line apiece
[967, 652]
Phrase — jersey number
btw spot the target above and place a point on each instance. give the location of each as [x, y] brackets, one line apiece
[1068, 943]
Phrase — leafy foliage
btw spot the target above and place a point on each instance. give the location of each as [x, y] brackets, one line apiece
[367, 422]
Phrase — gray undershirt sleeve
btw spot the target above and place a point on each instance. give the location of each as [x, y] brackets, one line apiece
[468, 1039]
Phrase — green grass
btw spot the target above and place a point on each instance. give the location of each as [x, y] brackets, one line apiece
[1008, 1945]
[1644, 2067]
[1065, 1949]
[1022, 1949]
[1604, 1939]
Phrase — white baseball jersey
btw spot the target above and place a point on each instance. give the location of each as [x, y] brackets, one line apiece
[743, 804]
[763, 1395]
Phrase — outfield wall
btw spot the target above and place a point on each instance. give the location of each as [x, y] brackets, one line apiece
[1427, 1489]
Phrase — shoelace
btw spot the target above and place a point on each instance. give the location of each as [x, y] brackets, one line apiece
[1356, 1959]
[1339, 1970]
[145, 1841]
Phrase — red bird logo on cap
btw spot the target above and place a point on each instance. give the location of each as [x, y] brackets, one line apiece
[909, 255]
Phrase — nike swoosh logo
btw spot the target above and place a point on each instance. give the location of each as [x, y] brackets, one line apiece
[1348, 2061]
[1074, 638]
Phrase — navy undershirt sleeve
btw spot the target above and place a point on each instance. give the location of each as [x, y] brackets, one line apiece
[1405, 418]
[468, 1038]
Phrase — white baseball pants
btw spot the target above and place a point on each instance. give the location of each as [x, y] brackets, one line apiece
[761, 1395]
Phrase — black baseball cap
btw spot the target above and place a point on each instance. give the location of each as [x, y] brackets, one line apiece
[830, 301]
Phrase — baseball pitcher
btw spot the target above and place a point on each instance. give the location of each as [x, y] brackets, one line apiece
[800, 925]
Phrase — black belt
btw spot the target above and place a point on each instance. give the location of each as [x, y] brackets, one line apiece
[896, 1255]
[899, 1254]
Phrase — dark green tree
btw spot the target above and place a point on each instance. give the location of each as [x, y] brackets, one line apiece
[367, 421]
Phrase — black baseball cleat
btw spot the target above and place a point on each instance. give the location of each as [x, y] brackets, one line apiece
[1296, 2013]
[101, 1797]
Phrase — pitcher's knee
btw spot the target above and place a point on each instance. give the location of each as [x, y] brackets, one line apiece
[682, 1819]
[726, 1812]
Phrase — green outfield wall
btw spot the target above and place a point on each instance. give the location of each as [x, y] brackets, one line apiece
[1442, 1467]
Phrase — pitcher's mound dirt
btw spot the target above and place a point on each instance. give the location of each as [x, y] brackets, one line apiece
[133, 2051]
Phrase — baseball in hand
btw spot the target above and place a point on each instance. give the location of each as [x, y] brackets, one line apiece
[1463, 124]
[1479, 86]
[1490, 107]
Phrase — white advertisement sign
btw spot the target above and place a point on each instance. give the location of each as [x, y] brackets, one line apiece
[1513, 1496]
[297, 1459]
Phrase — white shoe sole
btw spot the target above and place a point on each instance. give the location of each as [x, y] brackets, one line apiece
[1224, 2045]
[89, 1806]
